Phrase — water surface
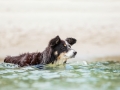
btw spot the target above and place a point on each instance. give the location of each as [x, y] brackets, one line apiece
[75, 76]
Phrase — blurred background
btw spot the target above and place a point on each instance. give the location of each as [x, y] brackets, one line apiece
[28, 25]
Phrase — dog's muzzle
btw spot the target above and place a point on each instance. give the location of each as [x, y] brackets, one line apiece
[71, 53]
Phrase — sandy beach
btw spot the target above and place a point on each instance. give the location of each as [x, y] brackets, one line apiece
[28, 25]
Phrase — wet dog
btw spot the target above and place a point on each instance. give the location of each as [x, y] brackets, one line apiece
[57, 52]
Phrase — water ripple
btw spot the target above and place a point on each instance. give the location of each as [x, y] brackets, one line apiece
[93, 76]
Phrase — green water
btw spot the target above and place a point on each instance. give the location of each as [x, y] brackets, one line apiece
[94, 76]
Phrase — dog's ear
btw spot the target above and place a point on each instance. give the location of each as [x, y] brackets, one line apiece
[54, 41]
[71, 41]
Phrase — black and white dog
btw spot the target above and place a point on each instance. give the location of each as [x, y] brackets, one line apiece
[57, 52]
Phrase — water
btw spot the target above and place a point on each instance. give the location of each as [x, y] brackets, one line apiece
[75, 76]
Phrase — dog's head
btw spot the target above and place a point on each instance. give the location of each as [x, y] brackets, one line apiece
[61, 49]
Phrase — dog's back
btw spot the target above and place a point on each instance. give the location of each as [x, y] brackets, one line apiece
[25, 59]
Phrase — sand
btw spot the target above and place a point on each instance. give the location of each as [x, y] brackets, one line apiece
[28, 25]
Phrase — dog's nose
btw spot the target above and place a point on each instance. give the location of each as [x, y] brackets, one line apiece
[75, 53]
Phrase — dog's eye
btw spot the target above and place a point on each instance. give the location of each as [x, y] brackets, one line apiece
[63, 48]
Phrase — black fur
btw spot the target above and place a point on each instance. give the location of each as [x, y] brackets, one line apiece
[71, 41]
[46, 57]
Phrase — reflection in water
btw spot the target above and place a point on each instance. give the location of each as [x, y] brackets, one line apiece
[94, 76]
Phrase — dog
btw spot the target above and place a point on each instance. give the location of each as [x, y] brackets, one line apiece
[57, 52]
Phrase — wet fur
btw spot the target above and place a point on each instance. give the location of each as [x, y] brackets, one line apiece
[45, 57]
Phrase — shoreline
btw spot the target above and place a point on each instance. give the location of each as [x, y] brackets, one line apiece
[95, 59]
